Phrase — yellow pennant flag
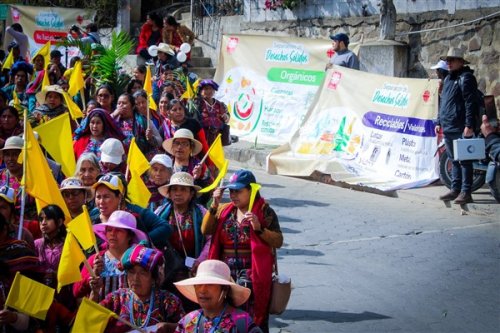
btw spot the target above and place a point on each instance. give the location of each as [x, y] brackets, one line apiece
[81, 228]
[255, 188]
[38, 179]
[91, 317]
[45, 52]
[57, 139]
[220, 176]
[30, 297]
[148, 85]
[45, 81]
[9, 61]
[76, 81]
[216, 152]
[136, 160]
[73, 108]
[152, 103]
[189, 93]
[69, 264]
[137, 191]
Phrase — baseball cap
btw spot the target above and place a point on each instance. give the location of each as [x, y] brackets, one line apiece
[240, 179]
[341, 37]
[112, 151]
[440, 65]
[8, 194]
[55, 54]
[162, 159]
[111, 181]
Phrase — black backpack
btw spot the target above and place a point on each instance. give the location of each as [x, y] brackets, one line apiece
[481, 107]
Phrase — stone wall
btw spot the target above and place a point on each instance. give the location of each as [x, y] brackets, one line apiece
[480, 40]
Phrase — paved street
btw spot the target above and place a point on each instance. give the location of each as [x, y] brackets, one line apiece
[363, 262]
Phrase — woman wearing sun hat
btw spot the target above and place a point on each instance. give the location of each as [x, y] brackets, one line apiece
[218, 296]
[184, 216]
[110, 195]
[184, 148]
[75, 195]
[143, 303]
[51, 104]
[119, 233]
[245, 240]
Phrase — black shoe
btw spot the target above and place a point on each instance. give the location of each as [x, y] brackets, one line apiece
[452, 195]
[464, 198]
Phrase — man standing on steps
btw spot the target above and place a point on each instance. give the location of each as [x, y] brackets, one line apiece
[457, 113]
[343, 56]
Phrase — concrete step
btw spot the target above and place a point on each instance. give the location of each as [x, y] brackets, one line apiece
[204, 72]
[196, 51]
[201, 62]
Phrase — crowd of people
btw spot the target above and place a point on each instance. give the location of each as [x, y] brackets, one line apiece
[131, 272]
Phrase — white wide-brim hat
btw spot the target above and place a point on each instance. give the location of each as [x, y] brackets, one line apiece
[42, 95]
[179, 179]
[213, 272]
[182, 133]
[455, 52]
[165, 48]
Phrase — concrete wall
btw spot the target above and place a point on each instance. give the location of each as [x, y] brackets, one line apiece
[480, 40]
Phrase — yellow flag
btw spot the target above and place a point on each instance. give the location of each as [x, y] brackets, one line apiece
[38, 179]
[57, 139]
[9, 61]
[81, 228]
[69, 264]
[137, 191]
[91, 317]
[30, 297]
[136, 160]
[148, 86]
[255, 188]
[189, 93]
[220, 176]
[73, 108]
[45, 81]
[152, 103]
[45, 52]
[76, 81]
[216, 152]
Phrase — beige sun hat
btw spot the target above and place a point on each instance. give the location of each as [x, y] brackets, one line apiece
[13, 142]
[41, 95]
[454, 52]
[165, 48]
[213, 272]
[73, 183]
[182, 133]
[179, 179]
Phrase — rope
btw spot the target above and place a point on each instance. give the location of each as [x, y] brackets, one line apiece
[450, 26]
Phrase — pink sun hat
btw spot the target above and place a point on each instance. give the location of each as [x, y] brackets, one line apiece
[122, 220]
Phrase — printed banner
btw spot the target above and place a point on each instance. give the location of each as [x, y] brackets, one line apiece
[42, 24]
[366, 129]
[268, 83]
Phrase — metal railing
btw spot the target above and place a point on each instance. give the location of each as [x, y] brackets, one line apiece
[206, 18]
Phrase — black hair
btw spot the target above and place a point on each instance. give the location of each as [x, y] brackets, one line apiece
[92, 27]
[54, 212]
[131, 84]
[73, 61]
[3, 223]
[170, 96]
[257, 196]
[130, 98]
[12, 110]
[140, 93]
[142, 69]
[108, 87]
[157, 19]
[172, 21]
[174, 101]
[93, 102]
[17, 27]
[4, 96]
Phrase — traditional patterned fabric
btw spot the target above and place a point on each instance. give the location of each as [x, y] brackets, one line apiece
[233, 321]
[141, 255]
[166, 307]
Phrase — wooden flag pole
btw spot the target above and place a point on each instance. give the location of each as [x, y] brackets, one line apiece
[23, 185]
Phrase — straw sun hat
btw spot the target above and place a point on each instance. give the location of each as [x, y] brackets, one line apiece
[182, 133]
[213, 272]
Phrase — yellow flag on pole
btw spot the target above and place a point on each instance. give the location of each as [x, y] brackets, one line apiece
[9, 61]
[38, 179]
[189, 93]
[148, 87]
[30, 297]
[73, 108]
[76, 81]
[91, 317]
[69, 264]
[45, 52]
[255, 188]
[45, 80]
[137, 191]
[136, 160]
[57, 139]
[220, 176]
[81, 228]
[216, 152]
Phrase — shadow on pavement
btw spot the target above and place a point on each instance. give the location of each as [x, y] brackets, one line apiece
[329, 316]
[283, 202]
[282, 218]
[290, 231]
[272, 185]
[300, 252]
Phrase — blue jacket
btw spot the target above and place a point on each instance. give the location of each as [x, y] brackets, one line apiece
[458, 102]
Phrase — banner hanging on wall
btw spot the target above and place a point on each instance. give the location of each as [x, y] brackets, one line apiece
[366, 129]
[268, 83]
